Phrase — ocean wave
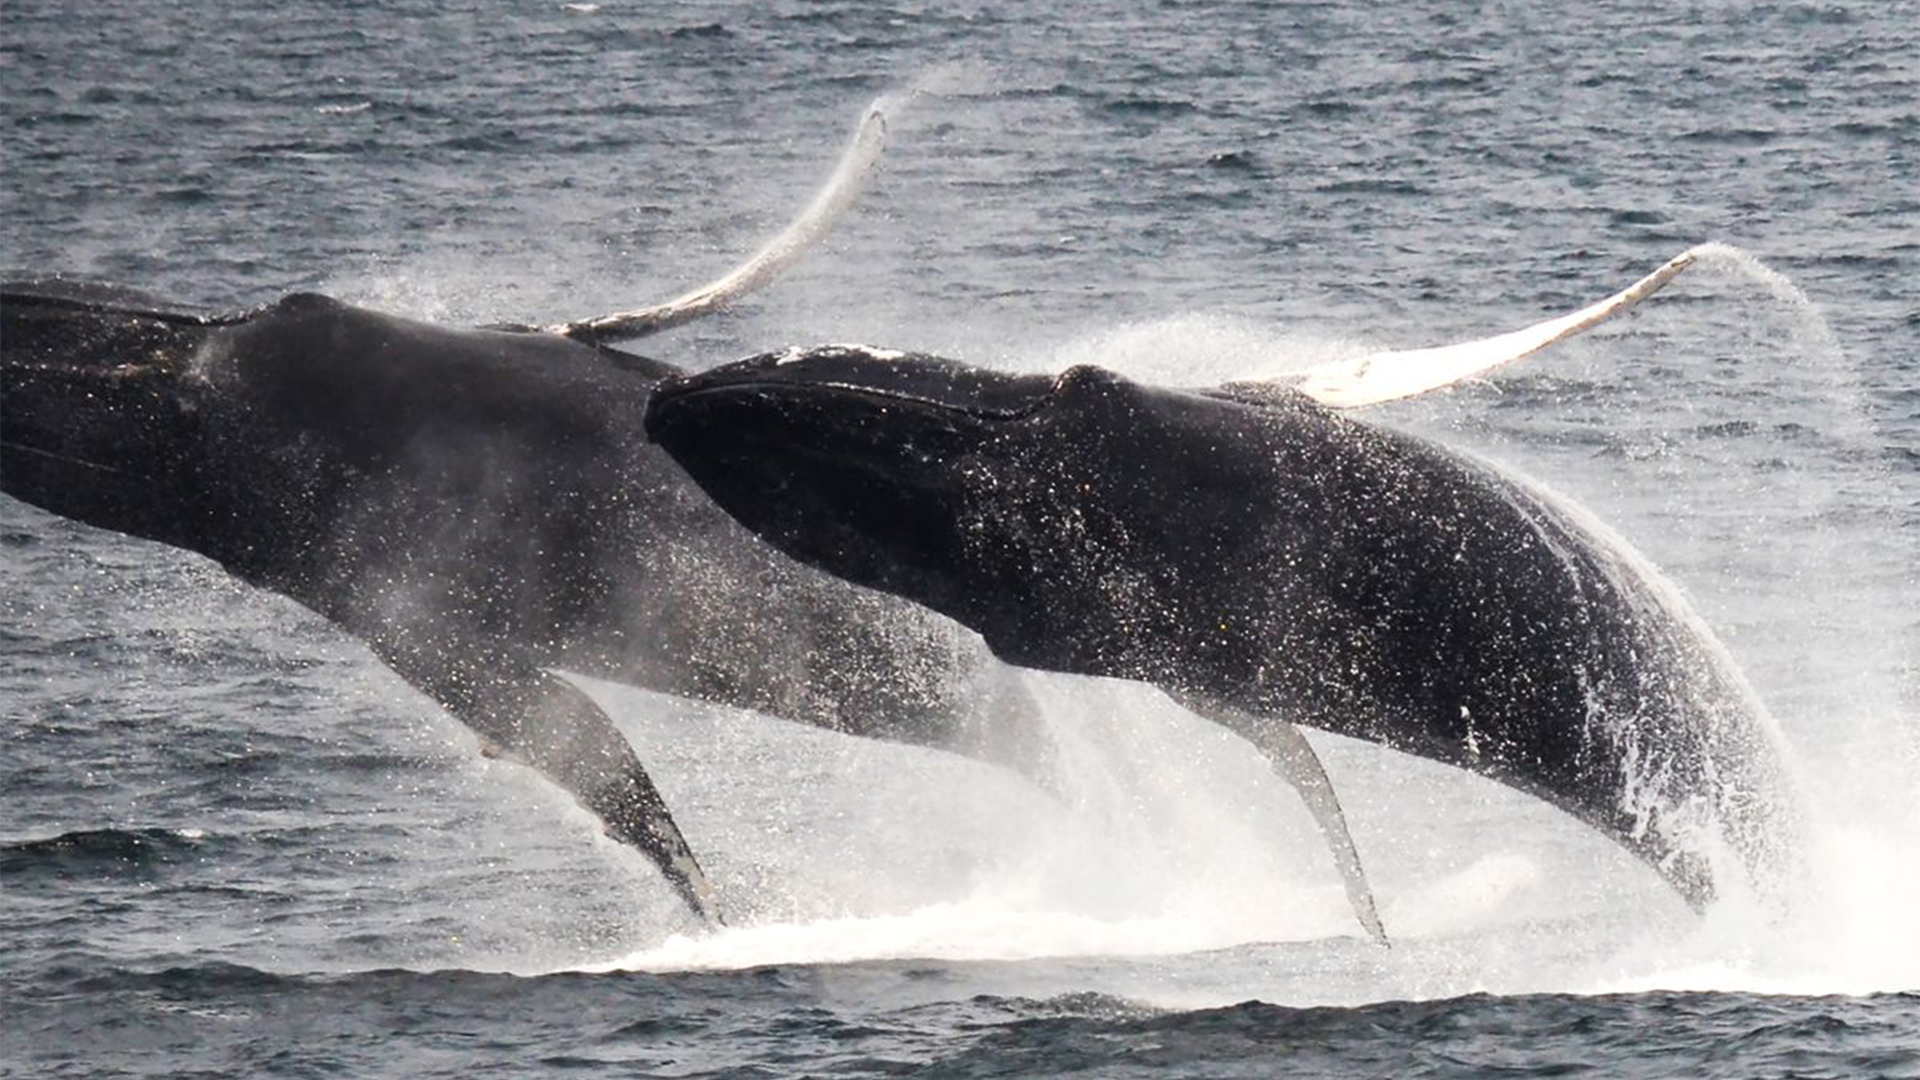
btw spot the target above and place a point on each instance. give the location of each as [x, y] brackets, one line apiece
[92, 848]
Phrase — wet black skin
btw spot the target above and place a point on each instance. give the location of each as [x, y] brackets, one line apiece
[479, 507]
[1265, 554]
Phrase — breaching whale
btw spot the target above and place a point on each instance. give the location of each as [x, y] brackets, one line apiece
[481, 508]
[1269, 561]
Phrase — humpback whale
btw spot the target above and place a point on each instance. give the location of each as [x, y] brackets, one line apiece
[480, 507]
[1268, 560]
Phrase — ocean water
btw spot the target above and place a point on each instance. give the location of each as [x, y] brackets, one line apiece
[233, 844]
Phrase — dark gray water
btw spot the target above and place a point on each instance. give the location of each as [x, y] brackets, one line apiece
[231, 842]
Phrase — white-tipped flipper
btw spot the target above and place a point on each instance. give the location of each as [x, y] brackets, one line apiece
[1292, 756]
[1388, 376]
[841, 189]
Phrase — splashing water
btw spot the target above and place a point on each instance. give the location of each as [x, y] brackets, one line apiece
[1851, 929]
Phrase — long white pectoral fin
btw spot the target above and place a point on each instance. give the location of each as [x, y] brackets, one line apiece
[1293, 757]
[1388, 376]
[840, 192]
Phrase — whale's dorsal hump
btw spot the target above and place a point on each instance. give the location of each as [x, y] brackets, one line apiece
[840, 191]
[1401, 373]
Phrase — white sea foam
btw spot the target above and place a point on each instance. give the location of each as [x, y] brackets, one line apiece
[983, 928]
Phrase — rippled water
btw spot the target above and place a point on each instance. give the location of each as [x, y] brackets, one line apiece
[230, 840]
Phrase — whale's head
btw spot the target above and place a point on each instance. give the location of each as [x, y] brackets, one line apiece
[241, 437]
[857, 461]
[1006, 501]
[100, 417]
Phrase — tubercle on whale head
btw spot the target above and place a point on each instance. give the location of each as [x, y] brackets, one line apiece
[917, 379]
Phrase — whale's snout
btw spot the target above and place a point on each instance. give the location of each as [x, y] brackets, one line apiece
[97, 411]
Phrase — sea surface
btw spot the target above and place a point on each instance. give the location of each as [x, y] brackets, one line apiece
[232, 844]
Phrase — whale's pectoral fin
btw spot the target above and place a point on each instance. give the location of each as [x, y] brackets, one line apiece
[1293, 757]
[842, 188]
[537, 718]
[1286, 747]
[1388, 376]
